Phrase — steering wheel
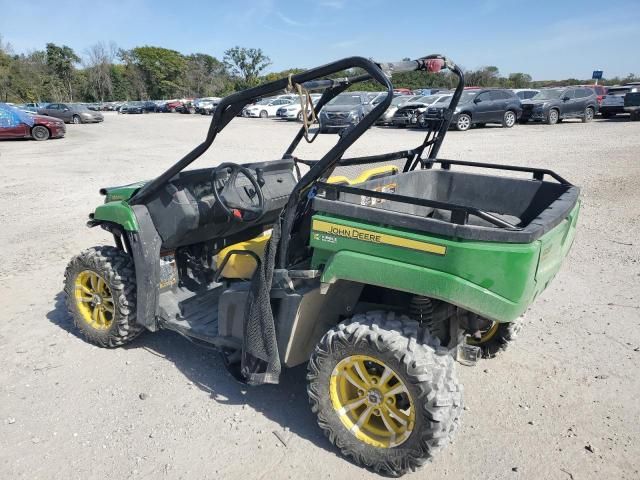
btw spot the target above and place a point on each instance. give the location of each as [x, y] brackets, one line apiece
[229, 196]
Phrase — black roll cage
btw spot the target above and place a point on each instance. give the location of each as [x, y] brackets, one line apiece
[230, 106]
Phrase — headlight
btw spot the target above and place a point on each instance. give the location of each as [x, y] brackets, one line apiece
[354, 114]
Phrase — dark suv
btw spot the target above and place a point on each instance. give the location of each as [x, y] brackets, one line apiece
[552, 105]
[481, 106]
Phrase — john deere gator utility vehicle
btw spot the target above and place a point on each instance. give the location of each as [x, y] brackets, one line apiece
[373, 270]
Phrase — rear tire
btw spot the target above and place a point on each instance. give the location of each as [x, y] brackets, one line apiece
[405, 418]
[497, 337]
[588, 115]
[509, 119]
[553, 116]
[40, 133]
[463, 123]
[100, 289]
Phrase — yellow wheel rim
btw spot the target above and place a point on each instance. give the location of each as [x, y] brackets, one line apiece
[372, 401]
[94, 300]
[486, 335]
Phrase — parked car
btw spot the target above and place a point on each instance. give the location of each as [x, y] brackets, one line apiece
[293, 111]
[205, 105]
[187, 106]
[407, 114]
[601, 91]
[525, 93]
[16, 123]
[553, 105]
[479, 106]
[31, 107]
[347, 109]
[387, 117]
[71, 113]
[172, 105]
[436, 108]
[613, 103]
[138, 107]
[632, 105]
[267, 107]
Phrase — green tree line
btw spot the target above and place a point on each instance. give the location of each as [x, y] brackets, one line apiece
[105, 72]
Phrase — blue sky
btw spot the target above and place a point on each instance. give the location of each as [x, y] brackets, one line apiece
[547, 39]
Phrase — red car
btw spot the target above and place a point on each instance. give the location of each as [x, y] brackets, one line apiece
[16, 123]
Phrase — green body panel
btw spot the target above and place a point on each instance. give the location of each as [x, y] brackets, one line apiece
[495, 280]
[122, 193]
[117, 212]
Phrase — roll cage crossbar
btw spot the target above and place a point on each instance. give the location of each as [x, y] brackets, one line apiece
[312, 79]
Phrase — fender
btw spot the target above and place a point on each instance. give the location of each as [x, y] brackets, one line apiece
[419, 280]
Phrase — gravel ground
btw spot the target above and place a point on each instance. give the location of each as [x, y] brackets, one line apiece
[561, 404]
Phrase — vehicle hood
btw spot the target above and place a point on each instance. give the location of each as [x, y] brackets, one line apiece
[536, 102]
[123, 192]
[341, 108]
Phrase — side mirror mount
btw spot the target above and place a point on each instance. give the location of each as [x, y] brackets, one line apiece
[565, 99]
[65, 110]
[477, 100]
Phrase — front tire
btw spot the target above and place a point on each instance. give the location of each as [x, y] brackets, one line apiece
[40, 133]
[553, 116]
[385, 400]
[76, 119]
[100, 289]
[464, 122]
[264, 114]
[509, 119]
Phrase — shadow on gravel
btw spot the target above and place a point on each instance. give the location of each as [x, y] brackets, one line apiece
[286, 404]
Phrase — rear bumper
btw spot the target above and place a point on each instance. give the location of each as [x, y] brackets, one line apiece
[611, 109]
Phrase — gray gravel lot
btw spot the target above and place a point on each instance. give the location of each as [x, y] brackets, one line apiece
[561, 404]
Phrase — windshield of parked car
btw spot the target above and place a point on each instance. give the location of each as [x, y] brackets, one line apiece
[135, 104]
[13, 116]
[445, 99]
[548, 94]
[79, 108]
[429, 99]
[346, 100]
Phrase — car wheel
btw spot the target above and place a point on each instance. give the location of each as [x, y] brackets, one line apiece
[300, 116]
[463, 123]
[509, 119]
[76, 119]
[552, 117]
[495, 337]
[100, 290]
[172, 110]
[387, 400]
[588, 115]
[264, 114]
[40, 133]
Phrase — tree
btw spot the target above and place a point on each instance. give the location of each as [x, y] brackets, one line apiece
[61, 61]
[205, 75]
[246, 63]
[160, 69]
[98, 63]
[519, 80]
